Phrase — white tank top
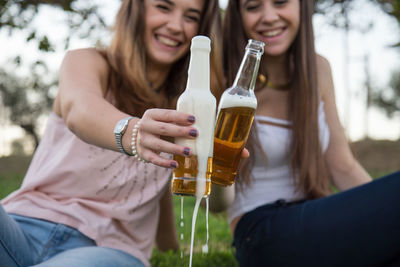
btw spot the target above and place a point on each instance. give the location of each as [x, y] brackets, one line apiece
[273, 180]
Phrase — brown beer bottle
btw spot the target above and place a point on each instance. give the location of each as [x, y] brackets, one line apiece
[235, 116]
[192, 177]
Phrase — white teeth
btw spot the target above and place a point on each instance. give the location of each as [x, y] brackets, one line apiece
[167, 41]
[272, 33]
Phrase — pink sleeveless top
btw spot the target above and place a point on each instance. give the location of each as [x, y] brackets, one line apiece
[109, 197]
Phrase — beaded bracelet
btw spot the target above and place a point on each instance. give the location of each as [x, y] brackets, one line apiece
[133, 142]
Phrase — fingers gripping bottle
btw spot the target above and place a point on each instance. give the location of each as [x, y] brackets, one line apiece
[192, 177]
[235, 116]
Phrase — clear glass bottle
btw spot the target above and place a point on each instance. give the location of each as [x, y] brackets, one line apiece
[192, 177]
[235, 116]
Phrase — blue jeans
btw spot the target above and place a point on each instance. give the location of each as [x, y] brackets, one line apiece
[357, 227]
[26, 241]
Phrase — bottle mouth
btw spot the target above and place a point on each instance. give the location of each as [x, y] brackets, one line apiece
[256, 46]
[201, 42]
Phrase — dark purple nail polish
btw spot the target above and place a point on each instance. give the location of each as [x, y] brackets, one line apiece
[193, 132]
[191, 118]
[186, 151]
[173, 165]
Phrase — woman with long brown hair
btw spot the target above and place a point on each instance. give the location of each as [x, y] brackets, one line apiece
[89, 198]
[283, 212]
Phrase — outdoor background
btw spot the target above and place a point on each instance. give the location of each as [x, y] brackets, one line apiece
[361, 39]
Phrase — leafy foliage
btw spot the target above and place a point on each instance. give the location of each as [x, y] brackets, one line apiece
[27, 98]
[19, 14]
[389, 98]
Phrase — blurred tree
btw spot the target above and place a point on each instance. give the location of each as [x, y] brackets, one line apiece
[391, 7]
[389, 98]
[338, 15]
[17, 147]
[27, 98]
[82, 18]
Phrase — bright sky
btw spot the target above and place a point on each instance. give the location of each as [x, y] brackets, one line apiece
[329, 43]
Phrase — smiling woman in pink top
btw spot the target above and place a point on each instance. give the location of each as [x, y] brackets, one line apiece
[91, 196]
[281, 210]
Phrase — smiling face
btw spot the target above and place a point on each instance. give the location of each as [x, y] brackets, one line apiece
[169, 28]
[275, 22]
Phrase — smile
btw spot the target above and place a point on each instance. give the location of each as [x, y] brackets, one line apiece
[272, 33]
[167, 41]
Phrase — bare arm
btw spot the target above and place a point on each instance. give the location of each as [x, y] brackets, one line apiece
[167, 238]
[344, 168]
[221, 197]
[83, 81]
[80, 100]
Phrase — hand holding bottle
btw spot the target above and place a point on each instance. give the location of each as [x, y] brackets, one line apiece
[192, 177]
[159, 125]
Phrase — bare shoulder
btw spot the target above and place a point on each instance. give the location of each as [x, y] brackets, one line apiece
[323, 66]
[324, 73]
[85, 57]
[81, 68]
[86, 64]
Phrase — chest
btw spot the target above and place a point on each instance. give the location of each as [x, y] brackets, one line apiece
[273, 103]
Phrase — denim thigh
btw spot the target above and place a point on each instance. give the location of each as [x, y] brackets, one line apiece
[36, 242]
[15, 248]
[92, 257]
[357, 227]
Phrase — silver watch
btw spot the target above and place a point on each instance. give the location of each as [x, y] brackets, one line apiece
[119, 131]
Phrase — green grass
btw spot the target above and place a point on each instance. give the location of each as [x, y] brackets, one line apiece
[8, 183]
[219, 245]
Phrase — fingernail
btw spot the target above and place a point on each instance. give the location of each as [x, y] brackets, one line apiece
[186, 151]
[173, 165]
[191, 118]
[193, 132]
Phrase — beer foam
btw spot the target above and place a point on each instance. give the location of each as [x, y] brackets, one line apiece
[230, 101]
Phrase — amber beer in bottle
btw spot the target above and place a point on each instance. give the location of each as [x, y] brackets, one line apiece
[235, 116]
[192, 177]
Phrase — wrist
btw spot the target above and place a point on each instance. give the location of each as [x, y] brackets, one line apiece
[134, 141]
[126, 139]
[120, 130]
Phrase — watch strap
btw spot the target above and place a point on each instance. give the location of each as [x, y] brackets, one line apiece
[118, 136]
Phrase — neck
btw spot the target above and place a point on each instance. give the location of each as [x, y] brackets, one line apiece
[157, 75]
[275, 69]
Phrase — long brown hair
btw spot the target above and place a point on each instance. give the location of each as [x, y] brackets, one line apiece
[308, 166]
[128, 83]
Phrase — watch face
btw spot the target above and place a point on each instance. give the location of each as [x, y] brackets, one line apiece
[120, 126]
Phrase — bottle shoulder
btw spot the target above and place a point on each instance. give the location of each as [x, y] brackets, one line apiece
[197, 95]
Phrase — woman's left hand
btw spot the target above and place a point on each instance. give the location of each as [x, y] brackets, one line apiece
[156, 127]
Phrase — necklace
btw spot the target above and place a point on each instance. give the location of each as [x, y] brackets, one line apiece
[265, 82]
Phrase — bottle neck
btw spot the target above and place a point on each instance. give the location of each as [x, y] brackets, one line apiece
[199, 70]
[246, 76]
